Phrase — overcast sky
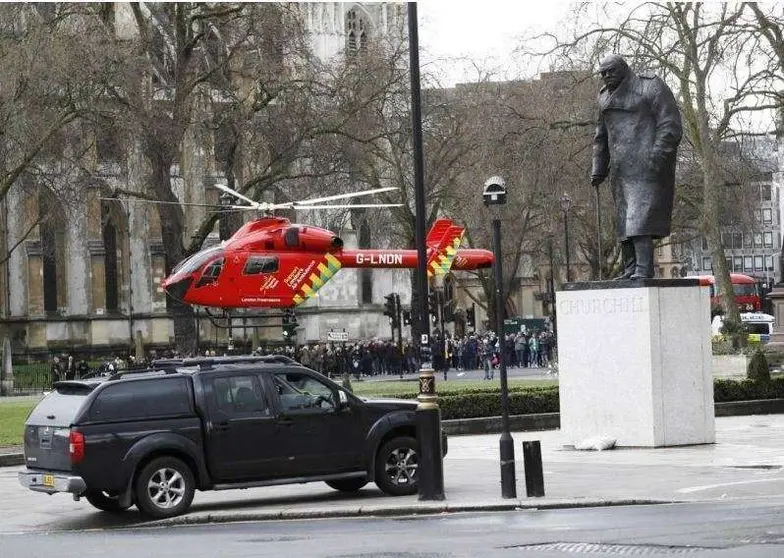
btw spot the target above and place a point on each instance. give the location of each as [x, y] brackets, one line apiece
[487, 31]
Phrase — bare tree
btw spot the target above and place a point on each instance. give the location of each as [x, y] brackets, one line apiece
[47, 83]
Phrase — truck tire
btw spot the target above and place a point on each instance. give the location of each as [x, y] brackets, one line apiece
[105, 501]
[396, 466]
[347, 485]
[164, 488]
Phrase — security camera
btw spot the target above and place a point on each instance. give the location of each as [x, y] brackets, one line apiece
[494, 192]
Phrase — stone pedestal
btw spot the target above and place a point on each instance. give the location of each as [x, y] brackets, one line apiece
[634, 360]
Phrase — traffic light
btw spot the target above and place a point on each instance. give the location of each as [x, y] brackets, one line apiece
[289, 324]
[406, 317]
[471, 317]
[390, 307]
[432, 303]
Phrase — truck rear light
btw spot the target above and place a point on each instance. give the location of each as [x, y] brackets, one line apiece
[76, 446]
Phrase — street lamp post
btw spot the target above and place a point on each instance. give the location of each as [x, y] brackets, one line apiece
[494, 193]
[566, 204]
[551, 283]
[428, 415]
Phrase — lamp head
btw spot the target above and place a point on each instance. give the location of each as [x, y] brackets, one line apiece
[494, 191]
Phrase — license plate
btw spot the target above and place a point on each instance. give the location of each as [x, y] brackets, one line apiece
[49, 480]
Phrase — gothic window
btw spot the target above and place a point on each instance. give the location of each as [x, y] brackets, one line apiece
[114, 236]
[49, 254]
[357, 31]
[52, 234]
[110, 266]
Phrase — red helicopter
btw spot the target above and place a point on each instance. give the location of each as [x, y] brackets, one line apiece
[273, 263]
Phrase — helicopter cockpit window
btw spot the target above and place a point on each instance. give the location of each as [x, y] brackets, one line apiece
[211, 273]
[261, 264]
[291, 237]
[186, 267]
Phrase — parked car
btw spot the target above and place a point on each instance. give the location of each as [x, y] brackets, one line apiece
[151, 438]
[758, 325]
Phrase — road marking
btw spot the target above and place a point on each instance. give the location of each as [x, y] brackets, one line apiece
[692, 489]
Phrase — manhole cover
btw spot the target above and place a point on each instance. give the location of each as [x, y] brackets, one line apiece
[580, 548]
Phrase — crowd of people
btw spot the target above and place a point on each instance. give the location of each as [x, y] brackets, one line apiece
[375, 357]
[470, 352]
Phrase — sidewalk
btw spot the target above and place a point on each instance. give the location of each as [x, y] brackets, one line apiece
[747, 461]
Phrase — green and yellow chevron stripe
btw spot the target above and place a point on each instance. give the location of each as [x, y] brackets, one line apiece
[328, 267]
[442, 263]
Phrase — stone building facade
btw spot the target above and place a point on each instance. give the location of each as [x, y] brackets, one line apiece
[89, 280]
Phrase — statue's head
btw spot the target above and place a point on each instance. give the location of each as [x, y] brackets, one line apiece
[613, 70]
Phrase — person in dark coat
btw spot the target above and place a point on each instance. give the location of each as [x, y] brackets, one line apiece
[636, 144]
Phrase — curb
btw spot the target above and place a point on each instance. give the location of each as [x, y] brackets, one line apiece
[424, 508]
[11, 459]
[492, 425]
[757, 407]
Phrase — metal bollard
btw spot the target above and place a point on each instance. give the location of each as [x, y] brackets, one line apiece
[532, 463]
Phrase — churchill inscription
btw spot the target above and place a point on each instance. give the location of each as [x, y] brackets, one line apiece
[602, 305]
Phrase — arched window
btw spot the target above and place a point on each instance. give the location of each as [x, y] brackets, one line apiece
[110, 266]
[114, 233]
[52, 234]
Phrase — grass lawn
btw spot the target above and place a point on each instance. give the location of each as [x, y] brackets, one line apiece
[369, 389]
[12, 417]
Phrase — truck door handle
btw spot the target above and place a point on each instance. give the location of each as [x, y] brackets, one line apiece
[284, 421]
[222, 426]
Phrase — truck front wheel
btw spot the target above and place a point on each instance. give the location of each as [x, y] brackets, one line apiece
[397, 464]
[164, 488]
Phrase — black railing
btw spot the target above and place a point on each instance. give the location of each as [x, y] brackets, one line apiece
[37, 377]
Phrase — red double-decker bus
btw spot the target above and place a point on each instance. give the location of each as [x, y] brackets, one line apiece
[747, 292]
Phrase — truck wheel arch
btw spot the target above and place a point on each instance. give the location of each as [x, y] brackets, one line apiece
[166, 444]
[395, 425]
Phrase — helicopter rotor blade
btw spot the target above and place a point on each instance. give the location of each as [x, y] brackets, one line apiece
[255, 204]
[163, 202]
[313, 201]
[348, 206]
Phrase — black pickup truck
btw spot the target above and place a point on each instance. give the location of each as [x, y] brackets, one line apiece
[152, 438]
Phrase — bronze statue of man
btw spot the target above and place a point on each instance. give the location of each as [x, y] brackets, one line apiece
[636, 144]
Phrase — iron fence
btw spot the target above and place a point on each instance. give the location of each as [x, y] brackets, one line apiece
[36, 377]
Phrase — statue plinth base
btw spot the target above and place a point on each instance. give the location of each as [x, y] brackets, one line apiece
[634, 361]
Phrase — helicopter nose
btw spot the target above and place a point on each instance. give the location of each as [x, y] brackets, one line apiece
[177, 289]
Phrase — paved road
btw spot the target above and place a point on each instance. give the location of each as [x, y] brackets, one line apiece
[715, 530]
[746, 462]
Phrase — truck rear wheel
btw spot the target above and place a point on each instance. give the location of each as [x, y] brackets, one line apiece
[105, 501]
[164, 488]
[397, 464]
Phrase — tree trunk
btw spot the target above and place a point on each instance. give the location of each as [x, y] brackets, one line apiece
[712, 228]
[172, 226]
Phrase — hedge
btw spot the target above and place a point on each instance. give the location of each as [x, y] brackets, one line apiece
[747, 390]
[532, 400]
